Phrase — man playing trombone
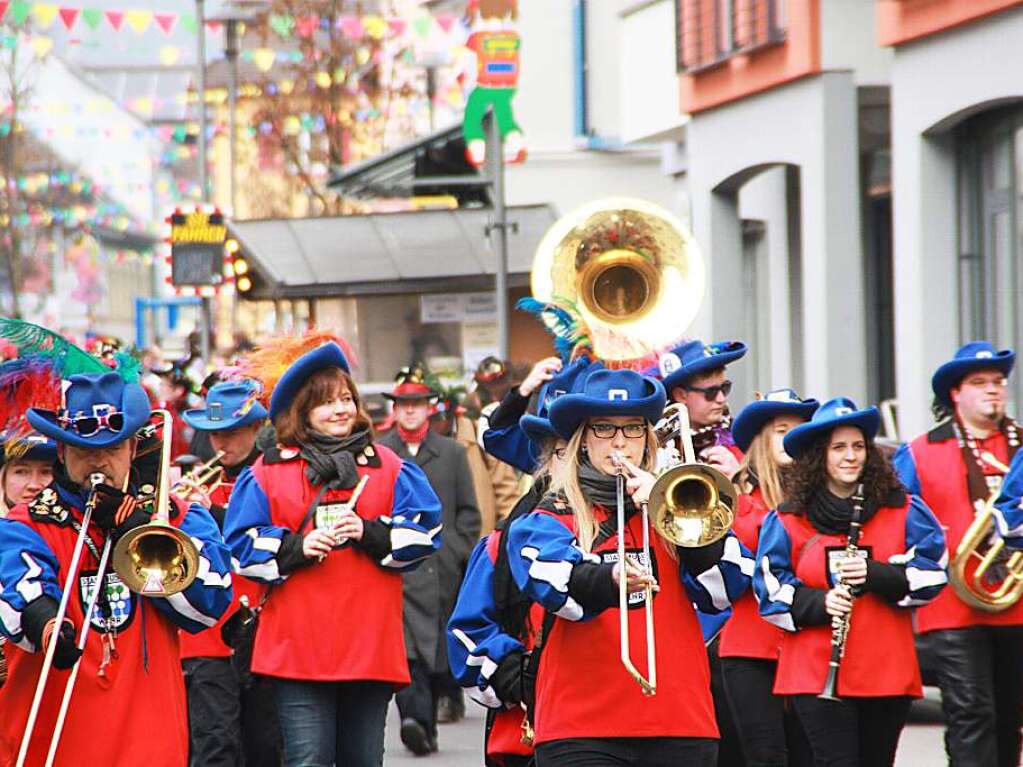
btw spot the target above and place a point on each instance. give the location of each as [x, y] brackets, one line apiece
[129, 704]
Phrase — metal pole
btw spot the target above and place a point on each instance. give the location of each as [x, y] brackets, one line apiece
[495, 170]
[231, 54]
[205, 308]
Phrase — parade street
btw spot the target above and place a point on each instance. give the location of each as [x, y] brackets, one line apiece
[920, 745]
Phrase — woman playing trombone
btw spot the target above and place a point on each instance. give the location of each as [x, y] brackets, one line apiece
[847, 533]
[564, 555]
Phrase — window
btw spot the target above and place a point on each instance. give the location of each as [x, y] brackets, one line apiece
[708, 32]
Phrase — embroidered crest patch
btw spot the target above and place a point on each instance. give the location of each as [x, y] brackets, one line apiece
[115, 608]
[47, 508]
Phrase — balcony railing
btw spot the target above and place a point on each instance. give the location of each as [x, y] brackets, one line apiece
[708, 32]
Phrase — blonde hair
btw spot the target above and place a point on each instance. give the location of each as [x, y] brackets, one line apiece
[760, 460]
[565, 482]
[4, 508]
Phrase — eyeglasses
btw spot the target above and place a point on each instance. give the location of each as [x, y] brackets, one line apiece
[87, 425]
[711, 393]
[559, 453]
[609, 430]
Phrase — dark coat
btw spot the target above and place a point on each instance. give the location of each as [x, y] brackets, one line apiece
[431, 589]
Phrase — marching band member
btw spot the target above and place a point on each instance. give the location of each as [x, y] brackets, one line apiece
[130, 677]
[978, 654]
[807, 574]
[230, 713]
[330, 626]
[588, 710]
[433, 695]
[749, 645]
[492, 628]
[26, 467]
[694, 375]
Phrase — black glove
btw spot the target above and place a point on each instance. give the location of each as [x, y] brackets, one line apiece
[507, 679]
[67, 652]
[36, 620]
[116, 511]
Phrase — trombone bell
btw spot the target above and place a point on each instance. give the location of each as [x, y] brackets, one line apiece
[692, 505]
[156, 560]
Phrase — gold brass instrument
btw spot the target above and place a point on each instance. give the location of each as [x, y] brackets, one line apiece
[202, 480]
[979, 586]
[157, 559]
[692, 504]
[629, 268]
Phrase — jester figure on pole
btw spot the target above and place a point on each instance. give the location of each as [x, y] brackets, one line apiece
[496, 45]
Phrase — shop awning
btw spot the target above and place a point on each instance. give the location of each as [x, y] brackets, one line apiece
[422, 251]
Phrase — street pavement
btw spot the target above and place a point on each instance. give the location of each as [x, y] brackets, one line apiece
[461, 743]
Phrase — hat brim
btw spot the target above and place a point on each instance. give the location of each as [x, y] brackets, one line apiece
[570, 410]
[756, 415]
[134, 405]
[329, 355]
[47, 452]
[703, 366]
[802, 437]
[537, 429]
[953, 372]
[429, 395]
[197, 419]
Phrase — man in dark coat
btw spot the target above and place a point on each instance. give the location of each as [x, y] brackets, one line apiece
[430, 591]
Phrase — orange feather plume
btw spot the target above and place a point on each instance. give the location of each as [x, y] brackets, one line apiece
[271, 359]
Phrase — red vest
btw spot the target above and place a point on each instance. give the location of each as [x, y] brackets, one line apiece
[747, 634]
[583, 691]
[340, 619]
[136, 713]
[939, 466]
[208, 643]
[880, 658]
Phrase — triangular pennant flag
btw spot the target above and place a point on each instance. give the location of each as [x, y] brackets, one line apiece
[116, 18]
[282, 24]
[264, 58]
[398, 26]
[69, 16]
[213, 25]
[138, 20]
[308, 24]
[44, 14]
[42, 46]
[188, 22]
[422, 24]
[352, 27]
[375, 26]
[3, 8]
[92, 17]
[18, 12]
[165, 21]
[446, 21]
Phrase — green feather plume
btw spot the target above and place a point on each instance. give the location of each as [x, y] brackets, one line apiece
[38, 343]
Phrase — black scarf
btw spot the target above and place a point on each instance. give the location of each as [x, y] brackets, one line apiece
[601, 488]
[332, 459]
[830, 514]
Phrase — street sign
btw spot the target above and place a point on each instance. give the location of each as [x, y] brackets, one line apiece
[197, 248]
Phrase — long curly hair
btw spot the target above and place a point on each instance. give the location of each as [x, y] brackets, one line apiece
[809, 473]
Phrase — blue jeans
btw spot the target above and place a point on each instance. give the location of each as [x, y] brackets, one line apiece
[328, 723]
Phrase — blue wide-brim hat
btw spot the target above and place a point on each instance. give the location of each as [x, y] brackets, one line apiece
[840, 411]
[695, 358]
[608, 393]
[34, 447]
[327, 356]
[538, 427]
[974, 356]
[756, 415]
[229, 405]
[97, 395]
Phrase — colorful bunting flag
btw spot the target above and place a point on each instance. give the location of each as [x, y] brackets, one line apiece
[116, 18]
[138, 20]
[44, 14]
[69, 16]
[92, 17]
[18, 12]
[165, 21]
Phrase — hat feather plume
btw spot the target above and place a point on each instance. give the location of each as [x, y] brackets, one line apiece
[37, 342]
[26, 383]
[271, 359]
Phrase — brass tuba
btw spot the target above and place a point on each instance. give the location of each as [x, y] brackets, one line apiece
[692, 504]
[157, 559]
[982, 549]
[630, 270]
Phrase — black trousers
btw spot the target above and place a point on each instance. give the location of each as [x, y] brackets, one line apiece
[767, 728]
[730, 745]
[627, 752]
[229, 725]
[980, 673]
[419, 699]
[852, 732]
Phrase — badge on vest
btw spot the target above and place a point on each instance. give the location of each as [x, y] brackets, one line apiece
[637, 557]
[47, 508]
[329, 514]
[114, 609]
[833, 555]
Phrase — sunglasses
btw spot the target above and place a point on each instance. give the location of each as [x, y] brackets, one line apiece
[609, 430]
[711, 393]
[87, 425]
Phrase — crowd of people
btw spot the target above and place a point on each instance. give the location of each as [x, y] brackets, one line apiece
[495, 544]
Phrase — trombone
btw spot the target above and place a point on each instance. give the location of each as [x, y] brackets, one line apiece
[202, 480]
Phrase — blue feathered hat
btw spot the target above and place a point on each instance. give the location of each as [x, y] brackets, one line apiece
[329, 355]
[840, 411]
[974, 356]
[99, 410]
[229, 405]
[756, 414]
[695, 358]
[608, 393]
[538, 427]
[33, 447]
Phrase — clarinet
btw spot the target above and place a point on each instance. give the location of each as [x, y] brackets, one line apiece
[840, 623]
